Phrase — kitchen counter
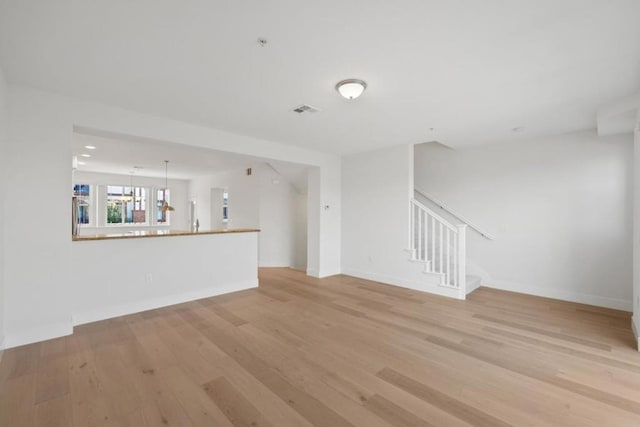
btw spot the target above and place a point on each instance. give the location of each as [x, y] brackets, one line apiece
[119, 274]
[160, 233]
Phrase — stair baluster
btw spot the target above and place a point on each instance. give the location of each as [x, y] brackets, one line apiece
[440, 245]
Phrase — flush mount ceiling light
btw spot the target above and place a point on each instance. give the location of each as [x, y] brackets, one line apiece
[351, 88]
[86, 155]
[90, 147]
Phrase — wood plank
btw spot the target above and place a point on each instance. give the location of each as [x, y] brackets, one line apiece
[193, 398]
[340, 351]
[443, 401]
[306, 405]
[548, 333]
[56, 412]
[531, 371]
[17, 397]
[52, 379]
[234, 405]
[393, 413]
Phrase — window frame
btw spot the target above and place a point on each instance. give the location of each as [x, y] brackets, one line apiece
[91, 201]
[156, 208]
[98, 201]
[105, 201]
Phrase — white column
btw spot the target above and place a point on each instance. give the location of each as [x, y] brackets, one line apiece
[324, 220]
[636, 231]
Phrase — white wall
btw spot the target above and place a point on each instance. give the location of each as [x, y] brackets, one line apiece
[38, 236]
[324, 213]
[117, 277]
[376, 189]
[275, 219]
[3, 181]
[263, 200]
[244, 199]
[560, 208]
[299, 234]
[38, 274]
[315, 212]
[636, 231]
[178, 219]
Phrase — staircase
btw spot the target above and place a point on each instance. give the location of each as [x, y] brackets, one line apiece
[441, 247]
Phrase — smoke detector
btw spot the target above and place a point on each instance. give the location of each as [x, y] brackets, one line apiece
[304, 108]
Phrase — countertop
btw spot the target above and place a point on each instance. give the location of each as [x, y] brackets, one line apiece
[160, 233]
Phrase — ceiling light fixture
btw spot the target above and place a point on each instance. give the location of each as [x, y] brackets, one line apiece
[351, 88]
[86, 155]
[90, 147]
[129, 197]
[81, 163]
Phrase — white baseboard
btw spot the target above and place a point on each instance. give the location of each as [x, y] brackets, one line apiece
[635, 327]
[416, 285]
[103, 313]
[271, 264]
[320, 274]
[328, 273]
[473, 287]
[617, 304]
[47, 332]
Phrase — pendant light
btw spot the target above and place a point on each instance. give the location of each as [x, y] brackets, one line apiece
[165, 206]
[128, 197]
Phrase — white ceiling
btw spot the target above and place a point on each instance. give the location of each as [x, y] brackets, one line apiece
[125, 155]
[472, 70]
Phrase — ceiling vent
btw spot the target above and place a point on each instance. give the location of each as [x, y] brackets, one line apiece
[304, 108]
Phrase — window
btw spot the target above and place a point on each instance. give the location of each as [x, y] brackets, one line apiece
[83, 194]
[162, 196]
[126, 205]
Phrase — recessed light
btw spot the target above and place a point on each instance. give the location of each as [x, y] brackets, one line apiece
[90, 147]
[81, 163]
[351, 88]
[86, 155]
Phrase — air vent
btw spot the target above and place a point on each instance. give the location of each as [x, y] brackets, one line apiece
[304, 108]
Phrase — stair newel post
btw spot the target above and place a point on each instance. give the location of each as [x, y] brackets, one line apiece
[461, 268]
[412, 246]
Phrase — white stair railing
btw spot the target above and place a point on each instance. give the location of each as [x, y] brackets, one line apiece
[454, 213]
[440, 245]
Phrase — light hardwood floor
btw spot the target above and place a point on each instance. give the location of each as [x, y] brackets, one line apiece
[339, 351]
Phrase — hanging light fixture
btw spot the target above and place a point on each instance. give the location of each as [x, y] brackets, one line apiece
[128, 197]
[351, 88]
[165, 206]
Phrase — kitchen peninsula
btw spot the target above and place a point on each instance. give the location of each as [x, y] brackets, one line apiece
[123, 273]
[160, 233]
